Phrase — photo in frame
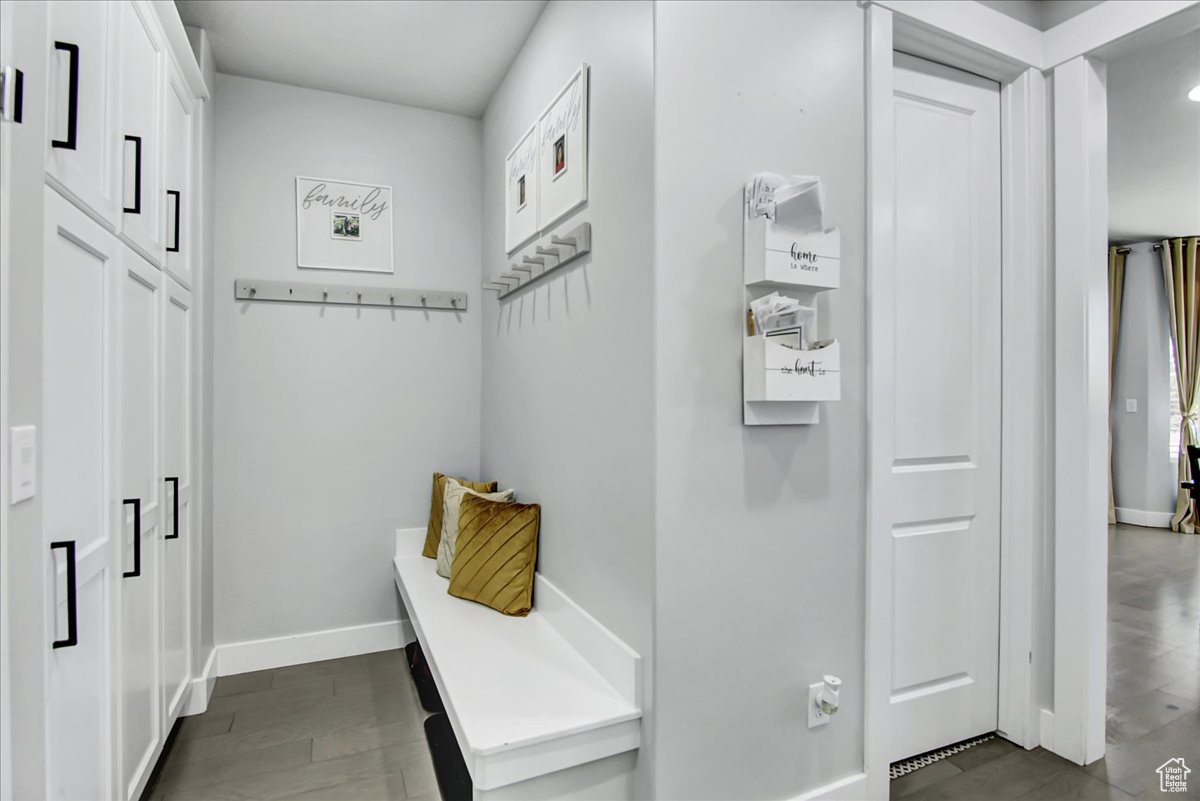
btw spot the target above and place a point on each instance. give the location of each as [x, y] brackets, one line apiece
[563, 151]
[343, 225]
[521, 192]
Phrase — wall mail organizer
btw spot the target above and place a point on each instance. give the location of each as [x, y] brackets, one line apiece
[343, 294]
[547, 255]
[787, 372]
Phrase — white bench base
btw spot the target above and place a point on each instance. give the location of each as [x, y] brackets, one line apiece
[546, 706]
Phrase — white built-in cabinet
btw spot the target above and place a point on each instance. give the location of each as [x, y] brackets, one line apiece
[142, 69]
[140, 340]
[177, 388]
[82, 266]
[177, 178]
[119, 392]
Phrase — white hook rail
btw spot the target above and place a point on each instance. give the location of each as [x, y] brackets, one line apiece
[552, 253]
[342, 294]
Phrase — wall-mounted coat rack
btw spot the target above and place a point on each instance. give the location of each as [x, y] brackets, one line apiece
[342, 294]
[549, 254]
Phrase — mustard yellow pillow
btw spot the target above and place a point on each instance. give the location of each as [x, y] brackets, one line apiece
[451, 507]
[496, 554]
[433, 534]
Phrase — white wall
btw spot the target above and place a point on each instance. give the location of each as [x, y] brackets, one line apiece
[329, 421]
[1144, 476]
[568, 367]
[760, 546]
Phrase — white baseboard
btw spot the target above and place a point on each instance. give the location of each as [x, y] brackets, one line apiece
[1140, 517]
[275, 652]
[851, 787]
[202, 687]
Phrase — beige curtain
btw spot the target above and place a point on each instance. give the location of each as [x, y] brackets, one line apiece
[1116, 291]
[1183, 310]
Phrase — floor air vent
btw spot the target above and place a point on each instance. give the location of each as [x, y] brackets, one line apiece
[906, 766]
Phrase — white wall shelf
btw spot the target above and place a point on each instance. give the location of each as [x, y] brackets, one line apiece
[783, 385]
[776, 257]
[541, 258]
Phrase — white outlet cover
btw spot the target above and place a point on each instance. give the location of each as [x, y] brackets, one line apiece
[815, 716]
[1131, 404]
[22, 465]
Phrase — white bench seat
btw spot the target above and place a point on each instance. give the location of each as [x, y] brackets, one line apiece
[521, 696]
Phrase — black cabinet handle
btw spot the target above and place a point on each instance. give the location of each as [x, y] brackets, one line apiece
[137, 537]
[174, 482]
[18, 112]
[72, 97]
[174, 247]
[72, 622]
[137, 175]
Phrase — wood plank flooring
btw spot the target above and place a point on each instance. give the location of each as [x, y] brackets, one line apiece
[335, 731]
[1153, 692]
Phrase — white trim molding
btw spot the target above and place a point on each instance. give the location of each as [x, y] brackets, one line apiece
[202, 687]
[314, 646]
[1141, 517]
[1028, 375]
[1080, 408]
[881, 289]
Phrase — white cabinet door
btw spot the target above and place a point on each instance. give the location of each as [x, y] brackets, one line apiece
[177, 171]
[142, 65]
[80, 511]
[177, 500]
[945, 454]
[141, 518]
[81, 108]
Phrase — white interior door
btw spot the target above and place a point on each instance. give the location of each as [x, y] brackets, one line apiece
[141, 518]
[945, 459]
[81, 264]
[177, 486]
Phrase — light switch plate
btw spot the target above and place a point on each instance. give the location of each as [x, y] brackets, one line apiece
[22, 463]
[1131, 404]
[815, 716]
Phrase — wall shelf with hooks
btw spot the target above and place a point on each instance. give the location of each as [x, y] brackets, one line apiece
[342, 294]
[549, 254]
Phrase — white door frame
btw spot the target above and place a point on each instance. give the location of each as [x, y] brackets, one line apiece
[1053, 558]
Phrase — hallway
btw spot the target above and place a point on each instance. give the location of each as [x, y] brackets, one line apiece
[1153, 690]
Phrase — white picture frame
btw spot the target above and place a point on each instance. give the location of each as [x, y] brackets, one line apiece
[521, 191]
[563, 151]
[319, 203]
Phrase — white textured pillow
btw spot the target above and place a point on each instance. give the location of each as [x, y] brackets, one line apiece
[451, 505]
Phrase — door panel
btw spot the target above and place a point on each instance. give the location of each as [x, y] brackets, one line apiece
[84, 162]
[177, 415]
[142, 222]
[79, 274]
[946, 449]
[140, 480]
[177, 171]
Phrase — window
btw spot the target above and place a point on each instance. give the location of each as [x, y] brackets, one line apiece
[1176, 417]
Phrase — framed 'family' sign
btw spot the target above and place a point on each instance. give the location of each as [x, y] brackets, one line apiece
[563, 151]
[343, 225]
[521, 191]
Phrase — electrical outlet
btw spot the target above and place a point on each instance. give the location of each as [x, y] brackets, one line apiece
[1131, 404]
[815, 716]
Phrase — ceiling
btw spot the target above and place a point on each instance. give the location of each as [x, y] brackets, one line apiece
[445, 56]
[1154, 142]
